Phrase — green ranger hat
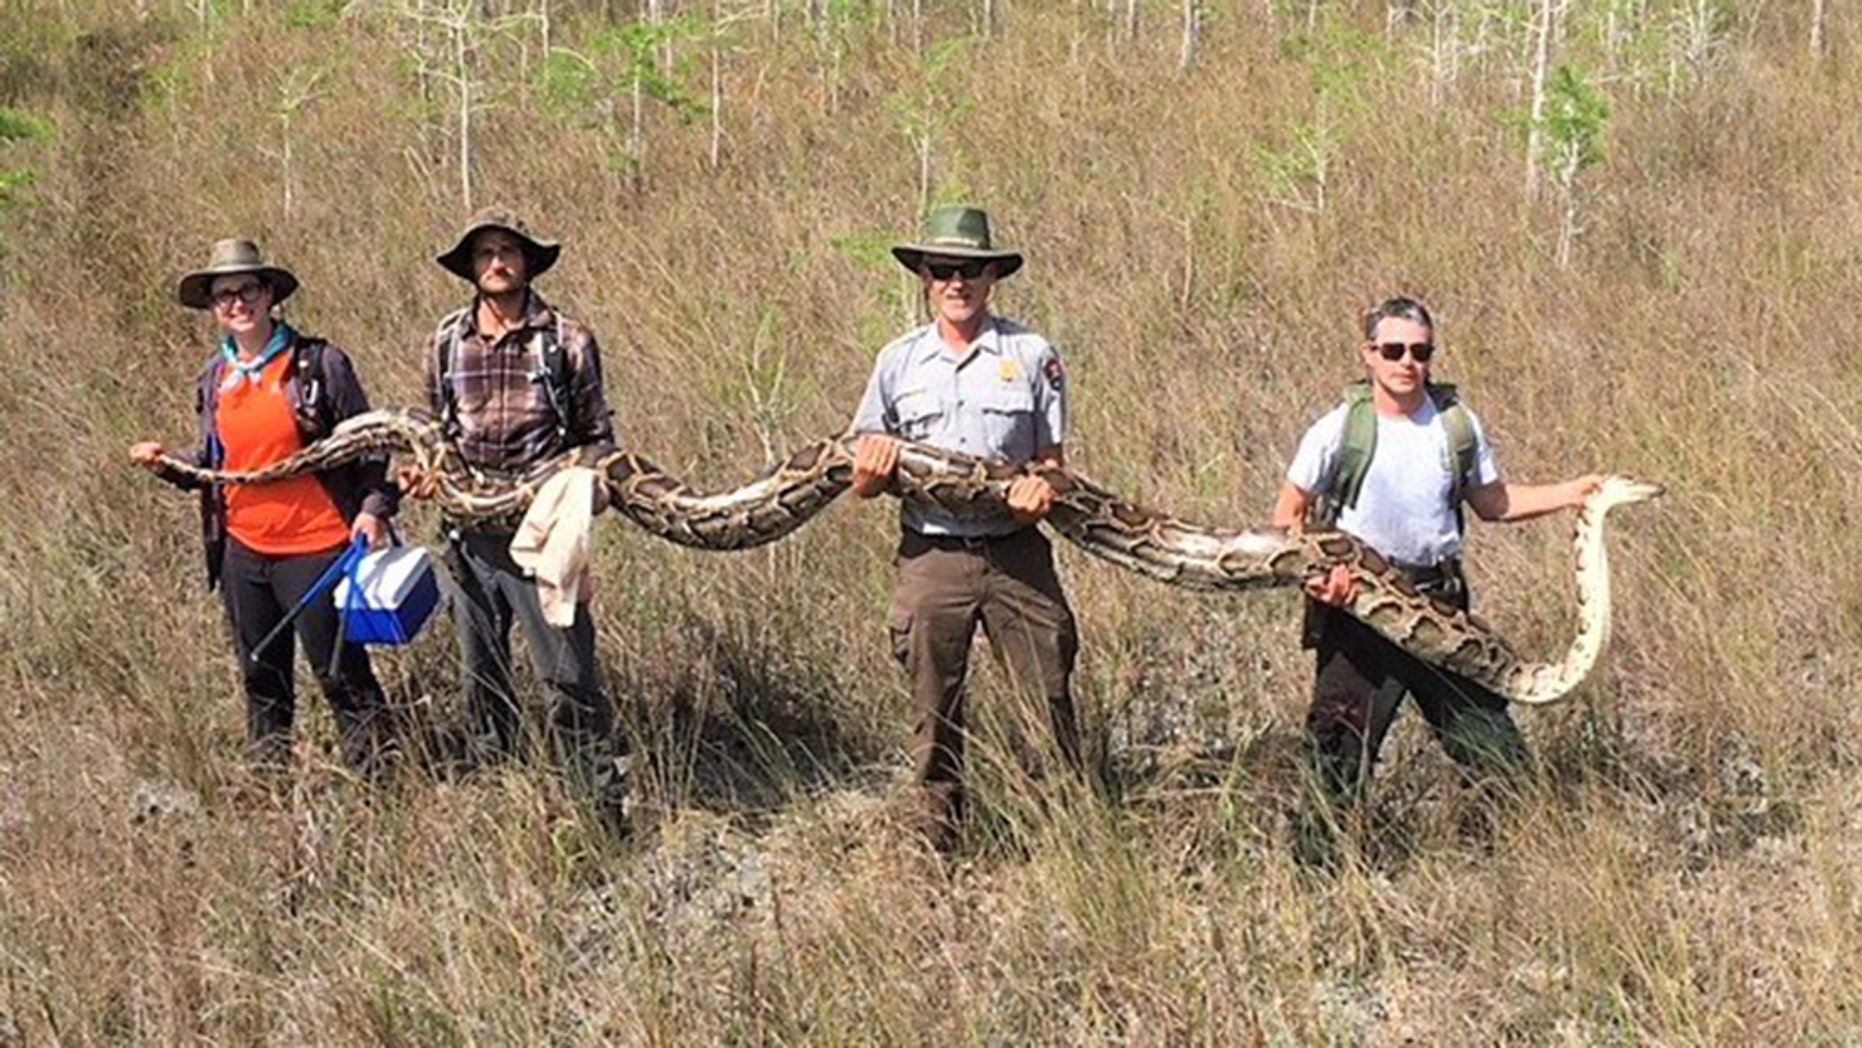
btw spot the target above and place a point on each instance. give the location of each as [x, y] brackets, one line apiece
[957, 231]
[230, 258]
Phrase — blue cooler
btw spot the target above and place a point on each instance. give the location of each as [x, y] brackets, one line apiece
[387, 596]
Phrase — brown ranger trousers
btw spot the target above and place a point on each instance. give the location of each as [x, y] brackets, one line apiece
[947, 587]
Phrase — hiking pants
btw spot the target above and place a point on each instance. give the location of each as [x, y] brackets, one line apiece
[259, 590]
[946, 587]
[494, 592]
[1359, 687]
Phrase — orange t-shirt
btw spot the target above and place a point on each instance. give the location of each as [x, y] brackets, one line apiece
[257, 428]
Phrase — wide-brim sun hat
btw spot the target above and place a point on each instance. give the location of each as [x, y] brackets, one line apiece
[539, 253]
[228, 258]
[957, 231]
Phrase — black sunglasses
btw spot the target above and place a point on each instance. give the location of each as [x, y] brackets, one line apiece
[970, 269]
[1393, 351]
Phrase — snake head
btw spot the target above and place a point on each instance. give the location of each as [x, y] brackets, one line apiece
[1618, 490]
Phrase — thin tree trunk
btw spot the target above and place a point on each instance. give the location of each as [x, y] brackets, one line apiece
[717, 90]
[284, 160]
[1192, 36]
[924, 169]
[1567, 230]
[637, 137]
[296, 93]
[1567, 179]
[656, 14]
[1189, 265]
[1446, 48]
[462, 57]
[1548, 13]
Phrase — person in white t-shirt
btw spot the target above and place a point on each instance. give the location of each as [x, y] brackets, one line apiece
[1393, 466]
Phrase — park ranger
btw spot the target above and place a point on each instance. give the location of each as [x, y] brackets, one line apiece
[976, 383]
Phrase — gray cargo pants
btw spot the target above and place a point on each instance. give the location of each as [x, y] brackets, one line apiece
[494, 592]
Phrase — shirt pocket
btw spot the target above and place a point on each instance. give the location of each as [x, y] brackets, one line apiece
[920, 413]
[1008, 422]
[472, 394]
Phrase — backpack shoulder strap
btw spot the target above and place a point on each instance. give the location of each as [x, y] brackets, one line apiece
[1359, 443]
[446, 345]
[207, 406]
[1463, 446]
[212, 373]
[311, 399]
[553, 370]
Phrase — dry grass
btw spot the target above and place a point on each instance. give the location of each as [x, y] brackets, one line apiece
[1687, 873]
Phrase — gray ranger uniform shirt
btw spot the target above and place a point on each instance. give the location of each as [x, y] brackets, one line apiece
[1005, 399]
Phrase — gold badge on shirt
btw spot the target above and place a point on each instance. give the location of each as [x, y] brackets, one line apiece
[1008, 372]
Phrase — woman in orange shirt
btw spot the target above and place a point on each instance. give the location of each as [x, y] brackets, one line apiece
[265, 393]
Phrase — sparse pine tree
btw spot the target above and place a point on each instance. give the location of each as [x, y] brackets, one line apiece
[935, 101]
[628, 62]
[463, 29]
[297, 91]
[1576, 115]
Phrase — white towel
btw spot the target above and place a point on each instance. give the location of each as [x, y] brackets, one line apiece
[553, 542]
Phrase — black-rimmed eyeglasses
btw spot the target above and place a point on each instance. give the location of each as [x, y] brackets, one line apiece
[247, 293]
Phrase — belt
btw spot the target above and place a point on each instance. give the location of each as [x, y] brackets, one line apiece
[969, 543]
[503, 526]
[1443, 574]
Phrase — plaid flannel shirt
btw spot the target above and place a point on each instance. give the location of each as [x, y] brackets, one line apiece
[503, 419]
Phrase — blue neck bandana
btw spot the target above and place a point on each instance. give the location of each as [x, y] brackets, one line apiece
[239, 371]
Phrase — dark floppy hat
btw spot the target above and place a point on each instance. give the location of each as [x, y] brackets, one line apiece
[957, 231]
[231, 258]
[540, 253]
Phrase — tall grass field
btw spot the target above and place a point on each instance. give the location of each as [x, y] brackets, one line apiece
[1638, 222]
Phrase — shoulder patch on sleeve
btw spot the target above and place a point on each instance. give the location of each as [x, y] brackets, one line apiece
[1054, 371]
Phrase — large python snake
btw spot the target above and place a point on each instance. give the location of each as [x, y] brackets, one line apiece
[790, 492]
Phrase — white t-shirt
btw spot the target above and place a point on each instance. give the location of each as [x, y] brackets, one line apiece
[1402, 509]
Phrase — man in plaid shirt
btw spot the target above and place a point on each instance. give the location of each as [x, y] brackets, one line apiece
[518, 382]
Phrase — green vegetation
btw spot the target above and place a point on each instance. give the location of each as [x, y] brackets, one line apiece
[1688, 872]
[17, 127]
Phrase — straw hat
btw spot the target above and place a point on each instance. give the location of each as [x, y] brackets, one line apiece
[540, 253]
[230, 258]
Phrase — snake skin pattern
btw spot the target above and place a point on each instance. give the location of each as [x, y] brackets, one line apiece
[792, 491]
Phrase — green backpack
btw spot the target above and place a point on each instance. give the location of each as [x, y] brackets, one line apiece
[1360, 443]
